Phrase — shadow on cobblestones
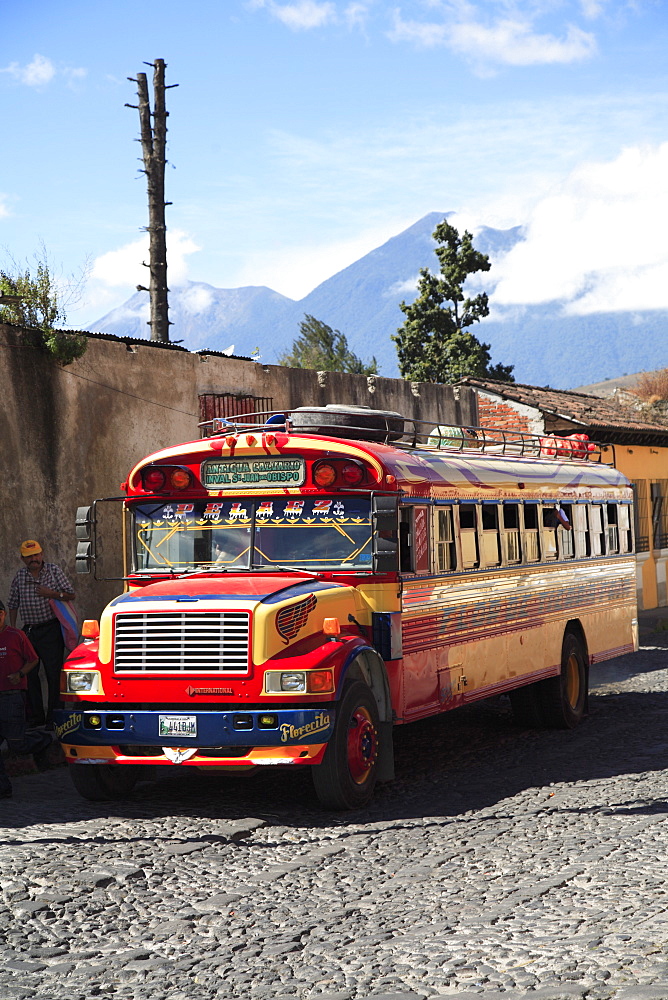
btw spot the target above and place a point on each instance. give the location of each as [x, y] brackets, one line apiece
[464, 762]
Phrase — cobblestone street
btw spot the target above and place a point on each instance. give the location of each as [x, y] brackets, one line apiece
[503, 862]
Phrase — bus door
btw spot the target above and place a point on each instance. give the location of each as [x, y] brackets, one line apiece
[423, 654]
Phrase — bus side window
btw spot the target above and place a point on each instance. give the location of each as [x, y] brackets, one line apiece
[511, 532]
[625, 533]
[468, 535]
[530, 542]
[550, 522]
[491, 545]
[612, 527]
[446, 551]
[596, 535]
[565, 537]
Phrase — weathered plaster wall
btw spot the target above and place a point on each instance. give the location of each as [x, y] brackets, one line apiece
[71, 435]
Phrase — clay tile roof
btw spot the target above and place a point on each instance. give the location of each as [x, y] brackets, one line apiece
[576, 407]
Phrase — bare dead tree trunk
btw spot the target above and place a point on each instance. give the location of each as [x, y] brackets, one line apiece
[153, 141]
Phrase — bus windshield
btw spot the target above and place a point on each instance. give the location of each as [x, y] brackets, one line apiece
[307, 533]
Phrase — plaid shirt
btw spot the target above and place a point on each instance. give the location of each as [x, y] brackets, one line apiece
[23, 593]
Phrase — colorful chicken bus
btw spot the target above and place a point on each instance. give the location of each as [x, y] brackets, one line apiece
[300, 585]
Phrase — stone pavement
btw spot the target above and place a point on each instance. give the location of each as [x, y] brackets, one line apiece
[502, 863]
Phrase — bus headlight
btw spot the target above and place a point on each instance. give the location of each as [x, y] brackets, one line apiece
[82, 682]
[280, 681]
[299, 682]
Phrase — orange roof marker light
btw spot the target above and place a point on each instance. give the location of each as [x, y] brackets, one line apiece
[331, 626]
[90, 629]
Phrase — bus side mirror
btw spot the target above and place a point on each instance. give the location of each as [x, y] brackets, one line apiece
[85, 535]
[385, 535]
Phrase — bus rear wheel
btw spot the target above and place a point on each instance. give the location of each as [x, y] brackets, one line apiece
[563, 699]
[347, 776]
[104, 782]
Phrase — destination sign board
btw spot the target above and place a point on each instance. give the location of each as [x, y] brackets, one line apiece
[253, 473]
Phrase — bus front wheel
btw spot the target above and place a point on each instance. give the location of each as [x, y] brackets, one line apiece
[347, 776]
[563, 699]
[104, 782]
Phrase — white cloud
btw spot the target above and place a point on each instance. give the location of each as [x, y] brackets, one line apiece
[41, 71]
[301, 15]
[74, 73]
[355, 14]
[35, 74]
[197, 300]
[124, 267]
[4, 209]
[591, 9]
[511, 40]
[596, 243]
[408, 287]
[516, 44]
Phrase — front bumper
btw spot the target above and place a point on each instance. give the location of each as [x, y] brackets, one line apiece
[296, 735]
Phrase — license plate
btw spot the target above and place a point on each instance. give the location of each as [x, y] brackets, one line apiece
[177, 725]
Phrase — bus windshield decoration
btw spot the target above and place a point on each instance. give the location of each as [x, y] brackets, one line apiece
[255, 533]
[300, 583]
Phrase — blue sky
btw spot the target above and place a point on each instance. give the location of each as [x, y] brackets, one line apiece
[304, 133]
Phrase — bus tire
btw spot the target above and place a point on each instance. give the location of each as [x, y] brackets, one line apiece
[104, 782]
[563, 699]
[347, 776]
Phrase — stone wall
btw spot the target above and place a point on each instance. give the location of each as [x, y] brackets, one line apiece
[72, 434]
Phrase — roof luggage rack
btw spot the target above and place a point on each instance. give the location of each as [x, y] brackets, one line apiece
[388, 427]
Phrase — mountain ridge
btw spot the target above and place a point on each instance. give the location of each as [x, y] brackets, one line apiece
[362, 301]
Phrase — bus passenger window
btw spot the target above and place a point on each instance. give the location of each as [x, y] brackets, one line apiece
[446, 552]
[596, 535]
[565, 536]
[511, 529]
[530, 539]
[625, 533]
[468, 535]
[490, 534]
[613, 527]
[550, 522]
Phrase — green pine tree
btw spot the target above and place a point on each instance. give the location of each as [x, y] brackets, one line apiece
[434, 344]
[325, 350]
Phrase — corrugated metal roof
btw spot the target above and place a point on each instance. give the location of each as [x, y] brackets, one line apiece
[145, 342]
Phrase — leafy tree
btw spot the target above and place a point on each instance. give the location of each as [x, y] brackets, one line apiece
[38, 303]
[434, 344]
[324, 350]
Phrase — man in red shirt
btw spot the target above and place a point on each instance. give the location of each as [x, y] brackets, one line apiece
[17, 659]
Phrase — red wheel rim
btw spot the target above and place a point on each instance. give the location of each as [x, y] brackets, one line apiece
[362, 745]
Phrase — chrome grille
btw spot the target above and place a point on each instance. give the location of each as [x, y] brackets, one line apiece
[188, 641]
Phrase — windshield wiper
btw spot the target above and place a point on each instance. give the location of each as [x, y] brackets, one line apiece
[208, 569]
[285, 569]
